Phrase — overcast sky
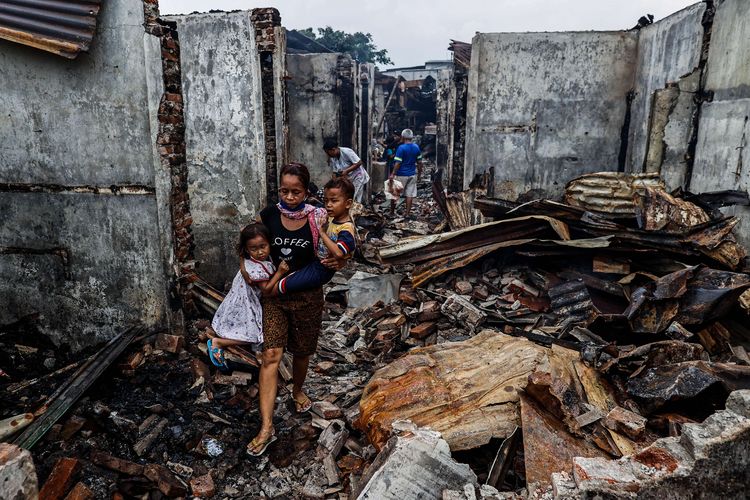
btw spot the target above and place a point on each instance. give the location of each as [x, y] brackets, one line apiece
[416, 31]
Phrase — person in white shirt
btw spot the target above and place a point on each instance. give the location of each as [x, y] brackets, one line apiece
[344, 161]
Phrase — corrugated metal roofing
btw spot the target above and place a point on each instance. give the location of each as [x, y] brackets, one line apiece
[461, 53]
[63, 27]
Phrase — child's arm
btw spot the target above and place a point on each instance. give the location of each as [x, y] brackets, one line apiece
[331, 245]
[269, 286]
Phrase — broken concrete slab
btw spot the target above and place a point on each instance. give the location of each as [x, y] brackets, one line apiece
[465, 390]
[714, 454]
[17, 474]
[415, 464]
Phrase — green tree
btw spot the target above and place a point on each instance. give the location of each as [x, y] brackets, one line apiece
[358, 45]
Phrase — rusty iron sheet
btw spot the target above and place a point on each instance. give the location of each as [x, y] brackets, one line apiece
[656, 210]
[424, 248]
[441, 265]
[65, 28]
[694, 296]
[468, 391]
[609, 192]
[572, 303]
[461, 53]
[548, 446]
[704, 382]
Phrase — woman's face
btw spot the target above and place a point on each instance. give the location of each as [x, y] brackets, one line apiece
[291, 190]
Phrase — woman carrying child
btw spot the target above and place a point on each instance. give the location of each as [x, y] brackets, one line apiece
[291, 320]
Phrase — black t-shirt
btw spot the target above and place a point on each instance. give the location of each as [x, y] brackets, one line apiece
[295, 247]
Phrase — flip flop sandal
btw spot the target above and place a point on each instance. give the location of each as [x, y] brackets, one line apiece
[303, 406]
[216, 355]
[255, 443]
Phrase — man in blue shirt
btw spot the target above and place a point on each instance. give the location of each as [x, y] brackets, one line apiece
[406, 164]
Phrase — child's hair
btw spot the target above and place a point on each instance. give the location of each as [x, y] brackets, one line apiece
[342, 183]
[248, 233]
[298, 170]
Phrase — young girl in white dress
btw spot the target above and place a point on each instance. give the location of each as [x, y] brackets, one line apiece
[239, 319]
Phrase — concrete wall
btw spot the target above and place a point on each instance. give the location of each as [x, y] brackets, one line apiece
[546, 107]
[224, 134]
[444, 109]
[317, 100]
[669, 54]
[722, 158]
[90, 121]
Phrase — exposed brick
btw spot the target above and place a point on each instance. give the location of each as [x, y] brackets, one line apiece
[327, 410]
[165, 481]
[80, 492]
[60, 479]
[430, 311]
[203, 486]
[408, 297]
[463, 288]
[169, 343]
[72, 425]
[324, 366]
[173, 97]
[107, 461]
[423, 330]
[392, 323]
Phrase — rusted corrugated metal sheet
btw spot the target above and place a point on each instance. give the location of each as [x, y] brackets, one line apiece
[63, 27]
[424, 248]
[609, 192]
[461, 53]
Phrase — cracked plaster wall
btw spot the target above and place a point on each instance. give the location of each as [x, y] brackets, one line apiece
[722, 159]
[316, 101]
[224, 135]
[544, 108]
[668, 54]
[92, 121]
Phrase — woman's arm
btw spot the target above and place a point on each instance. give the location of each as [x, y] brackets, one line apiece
[268, 287]
[335, 263]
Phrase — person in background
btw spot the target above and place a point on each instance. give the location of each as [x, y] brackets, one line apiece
[344, 161]
[407, 165]
[390, 150]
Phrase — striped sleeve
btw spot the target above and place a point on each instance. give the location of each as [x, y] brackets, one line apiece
[346, 242]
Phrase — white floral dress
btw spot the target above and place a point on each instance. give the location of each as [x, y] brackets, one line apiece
[240, 316]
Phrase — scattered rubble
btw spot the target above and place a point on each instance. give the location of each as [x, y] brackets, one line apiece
[559, 349]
